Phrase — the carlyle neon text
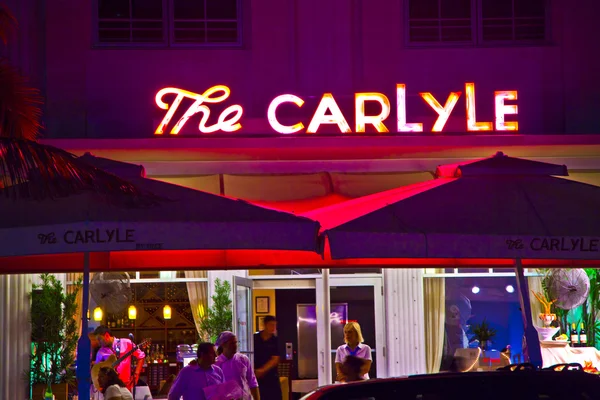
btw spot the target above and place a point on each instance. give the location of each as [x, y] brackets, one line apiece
[329, 113]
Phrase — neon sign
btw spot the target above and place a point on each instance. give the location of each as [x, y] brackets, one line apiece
[329, 113]
[224, 124]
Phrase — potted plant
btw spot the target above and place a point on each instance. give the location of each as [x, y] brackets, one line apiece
[483, 333]
[54, 334]
[219, 317]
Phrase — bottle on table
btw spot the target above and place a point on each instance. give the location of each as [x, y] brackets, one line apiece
[582, 336]
[574, 337]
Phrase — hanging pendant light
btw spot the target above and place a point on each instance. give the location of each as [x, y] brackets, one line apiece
[167, 312]
[97, 314]
[132, 312]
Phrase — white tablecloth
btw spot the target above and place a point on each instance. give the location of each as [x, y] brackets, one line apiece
[564, 355]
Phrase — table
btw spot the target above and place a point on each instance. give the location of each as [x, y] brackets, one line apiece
[557, 354]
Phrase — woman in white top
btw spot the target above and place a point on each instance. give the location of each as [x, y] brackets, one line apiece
[354, 346]
[113, 388]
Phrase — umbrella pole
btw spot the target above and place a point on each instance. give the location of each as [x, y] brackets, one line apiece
[533, 352]
[84, 345]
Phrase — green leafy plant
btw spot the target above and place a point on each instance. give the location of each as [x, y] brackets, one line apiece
[483, 332]
[219, 317]
[54, 332]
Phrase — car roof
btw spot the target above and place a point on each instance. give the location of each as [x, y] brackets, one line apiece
[430, 380]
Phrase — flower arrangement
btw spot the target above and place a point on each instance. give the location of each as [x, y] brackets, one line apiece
[483, 333]
[546, 317]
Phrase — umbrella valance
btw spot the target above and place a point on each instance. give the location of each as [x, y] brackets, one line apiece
[508, 216]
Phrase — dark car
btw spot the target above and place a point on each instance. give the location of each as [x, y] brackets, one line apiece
[555, 383]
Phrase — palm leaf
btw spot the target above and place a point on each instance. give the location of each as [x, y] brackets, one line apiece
[29, 170]
[8, 23]
[20, 104]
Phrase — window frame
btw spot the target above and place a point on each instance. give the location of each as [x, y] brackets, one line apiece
[477, 31]
[513, 42]
[215, 45]
[168, 41]
[439, 43]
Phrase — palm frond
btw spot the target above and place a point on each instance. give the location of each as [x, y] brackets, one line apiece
[20, 104]
[29, 170]
[8, 23]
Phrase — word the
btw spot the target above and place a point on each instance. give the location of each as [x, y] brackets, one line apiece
[227, 122]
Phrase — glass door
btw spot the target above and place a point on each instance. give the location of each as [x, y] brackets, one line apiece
[242, 314]
[362, 298]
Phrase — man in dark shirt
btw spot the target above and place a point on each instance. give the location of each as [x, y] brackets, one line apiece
[266, 360]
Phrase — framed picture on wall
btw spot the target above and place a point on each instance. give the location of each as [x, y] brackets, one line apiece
[262, 305]
[260, 322]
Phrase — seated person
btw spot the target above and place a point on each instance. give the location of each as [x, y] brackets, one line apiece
[113, 388]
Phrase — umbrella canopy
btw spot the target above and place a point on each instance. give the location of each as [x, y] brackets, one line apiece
[500, 164]
[177, 219]
[519, 212]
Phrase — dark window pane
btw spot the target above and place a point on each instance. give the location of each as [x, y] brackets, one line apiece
[423, 35]
[147, 9]
[110, 9]
[153, 25]
[188, 9]
[147, 36]
[495, 33]
[190, 36]
[217, 26]
[425, 9]
[456, 34]
[221, 9]
[456, 9]
[532, 32]
[111, 25]
[530, 8]
[191, 25]
[497, 8]
[113, 35]
[222, 36]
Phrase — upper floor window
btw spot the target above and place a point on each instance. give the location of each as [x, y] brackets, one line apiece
[513, 20]
[168, 22]
[476, 21]
[440, 21]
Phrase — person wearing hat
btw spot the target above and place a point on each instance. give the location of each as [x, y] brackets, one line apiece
[236, 367]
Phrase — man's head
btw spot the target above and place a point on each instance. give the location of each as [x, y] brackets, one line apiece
[228, 342]
[104, 336]
[270, 324]
[206, 354]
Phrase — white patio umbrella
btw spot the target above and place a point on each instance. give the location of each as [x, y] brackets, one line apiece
[154, 216]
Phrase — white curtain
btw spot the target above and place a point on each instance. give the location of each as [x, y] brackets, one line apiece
[535, 285]
[434, 293]
[198, 294]
[15, 339]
